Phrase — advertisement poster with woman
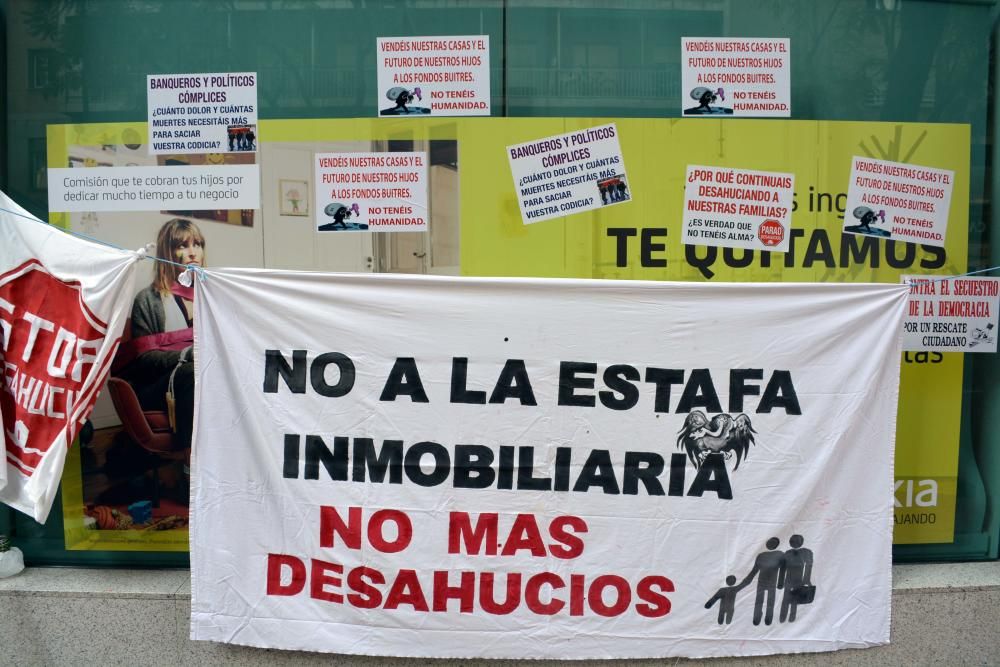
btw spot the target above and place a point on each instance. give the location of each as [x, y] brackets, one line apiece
[127, 486]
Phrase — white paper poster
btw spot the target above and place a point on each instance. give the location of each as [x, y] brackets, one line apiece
[738, 208]
[202, 113]
[904, 202]
[951, 314]
[569, 173]
[441, 76]
[737, 76]
[63, 304]
[581, 469]
[377, 192]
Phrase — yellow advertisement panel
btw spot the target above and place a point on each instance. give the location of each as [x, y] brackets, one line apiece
[476, 228]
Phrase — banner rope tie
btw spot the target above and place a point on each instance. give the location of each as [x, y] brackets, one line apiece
[143, 252]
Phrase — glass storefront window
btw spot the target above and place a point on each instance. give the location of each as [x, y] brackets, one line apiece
[898, 61]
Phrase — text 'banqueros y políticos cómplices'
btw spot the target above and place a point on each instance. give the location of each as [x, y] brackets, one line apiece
[706, 442]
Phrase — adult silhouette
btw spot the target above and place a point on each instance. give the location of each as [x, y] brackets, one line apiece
[769, 568]
[798, 571]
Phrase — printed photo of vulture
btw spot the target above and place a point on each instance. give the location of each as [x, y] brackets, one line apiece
[867, 217]
[341, 213]
[722, 434]
[706, 97]
[403, 96]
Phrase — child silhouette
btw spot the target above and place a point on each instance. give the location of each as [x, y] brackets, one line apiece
[727, 600]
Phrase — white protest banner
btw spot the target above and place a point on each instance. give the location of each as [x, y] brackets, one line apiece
[184, 187]
[738, 208]
[900, 201]
[378, 192]
[202, 113]
[63, 304]
[442, 76]
[951, 314]
[569, 173]
[736, 76]
[520, 468]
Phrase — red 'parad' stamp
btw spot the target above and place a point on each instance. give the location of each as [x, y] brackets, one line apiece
[770, 232]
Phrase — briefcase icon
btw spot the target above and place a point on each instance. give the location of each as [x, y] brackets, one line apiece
[803, 594]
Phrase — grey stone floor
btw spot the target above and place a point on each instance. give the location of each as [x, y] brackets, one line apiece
[945, 614]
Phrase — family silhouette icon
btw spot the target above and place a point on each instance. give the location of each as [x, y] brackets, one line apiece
[789, 571]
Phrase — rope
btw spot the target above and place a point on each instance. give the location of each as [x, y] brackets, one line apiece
[200, 271]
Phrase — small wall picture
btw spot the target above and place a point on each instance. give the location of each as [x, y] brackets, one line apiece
[294, 196]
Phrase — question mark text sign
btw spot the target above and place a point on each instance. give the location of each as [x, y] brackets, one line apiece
[738, 208]
[569, 173]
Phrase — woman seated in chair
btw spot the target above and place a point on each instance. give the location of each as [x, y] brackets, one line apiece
[162, 334]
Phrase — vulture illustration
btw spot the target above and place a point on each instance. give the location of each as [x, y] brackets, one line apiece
[723, 434]
[867, 216]
[705, 97]
[401, 96]
[340, 212]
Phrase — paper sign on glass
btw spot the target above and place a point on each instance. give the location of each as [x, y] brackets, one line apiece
[378, 192]
[569, 173]
[951, 314]
[202, 113]
[442, 76]
[904, 202]
[737, 208]
[722, 76]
